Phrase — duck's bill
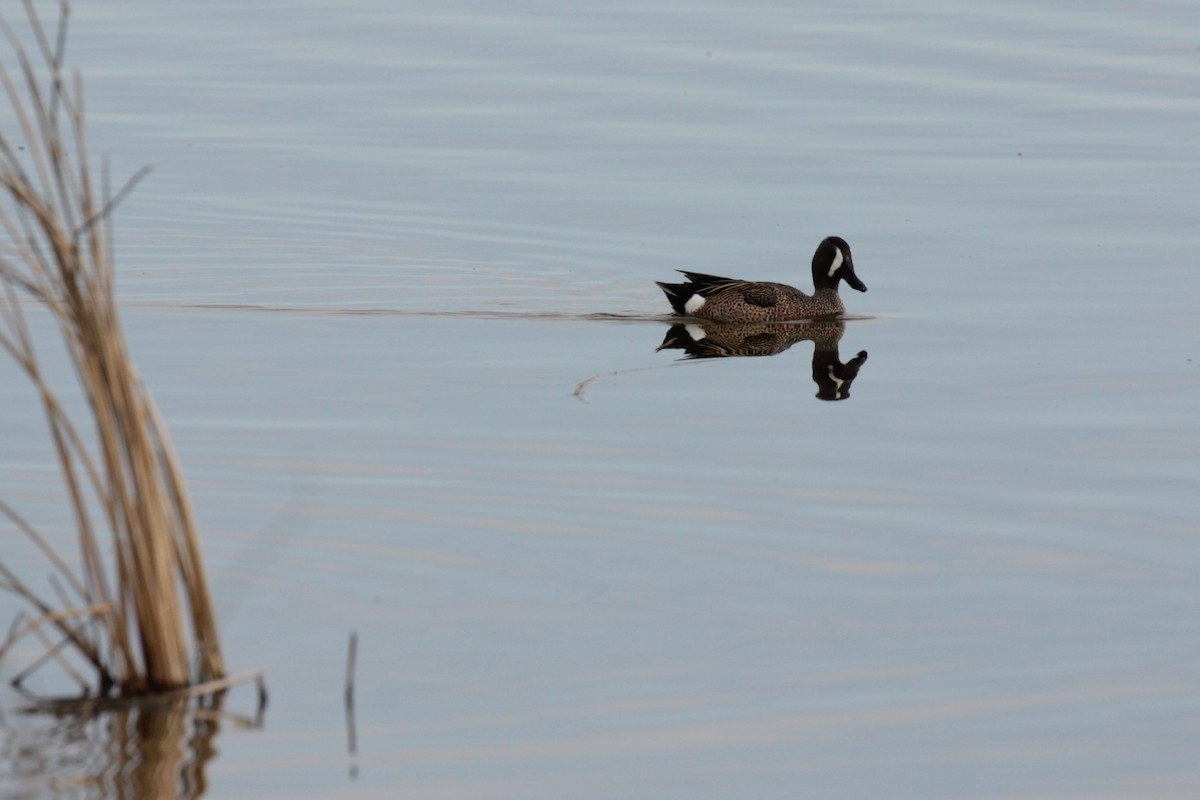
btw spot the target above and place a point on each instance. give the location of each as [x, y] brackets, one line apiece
[853, 280]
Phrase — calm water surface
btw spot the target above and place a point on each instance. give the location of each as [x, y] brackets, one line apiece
[391, 282]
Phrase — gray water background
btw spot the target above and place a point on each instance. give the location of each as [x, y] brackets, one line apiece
[384, 243]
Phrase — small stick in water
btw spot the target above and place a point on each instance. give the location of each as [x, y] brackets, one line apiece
[351, 728]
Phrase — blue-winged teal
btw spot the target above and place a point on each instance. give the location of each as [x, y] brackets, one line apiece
[730, 300]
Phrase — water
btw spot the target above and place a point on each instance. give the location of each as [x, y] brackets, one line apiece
[391, 282]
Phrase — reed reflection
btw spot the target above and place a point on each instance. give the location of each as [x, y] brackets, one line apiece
[716, 340]
[155, 749]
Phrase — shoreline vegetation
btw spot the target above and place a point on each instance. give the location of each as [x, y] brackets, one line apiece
[134, 617]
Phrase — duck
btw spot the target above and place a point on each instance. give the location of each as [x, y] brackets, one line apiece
[718, 299]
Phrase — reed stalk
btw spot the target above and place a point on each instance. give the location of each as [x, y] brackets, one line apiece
[140, 617]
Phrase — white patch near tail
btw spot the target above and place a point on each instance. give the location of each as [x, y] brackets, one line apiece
[837, 261]
[696, 332]
[694, 304]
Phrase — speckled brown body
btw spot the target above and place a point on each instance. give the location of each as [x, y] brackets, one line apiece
[740, 301]
[730, 300]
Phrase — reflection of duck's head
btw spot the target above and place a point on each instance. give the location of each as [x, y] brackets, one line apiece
[710, 340]
[833, 378]
[731, 300]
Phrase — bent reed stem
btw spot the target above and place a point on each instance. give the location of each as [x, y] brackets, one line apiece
[148, 615]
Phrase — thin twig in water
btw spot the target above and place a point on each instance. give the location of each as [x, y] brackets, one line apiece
[582, 387]
[351, 727]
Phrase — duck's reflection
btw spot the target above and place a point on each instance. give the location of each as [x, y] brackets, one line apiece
[714, 340]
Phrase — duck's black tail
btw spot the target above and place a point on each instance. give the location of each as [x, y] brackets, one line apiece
[678, 294]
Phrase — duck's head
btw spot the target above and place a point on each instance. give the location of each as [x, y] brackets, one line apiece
[832, 262]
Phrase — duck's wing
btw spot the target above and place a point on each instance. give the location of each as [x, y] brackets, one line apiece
[756, 293]
[705, 280]
[708, 285]
[763, 295]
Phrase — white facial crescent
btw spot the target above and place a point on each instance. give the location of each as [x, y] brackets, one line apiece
[837, 261]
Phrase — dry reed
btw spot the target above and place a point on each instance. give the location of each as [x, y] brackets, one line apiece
[142, 618]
